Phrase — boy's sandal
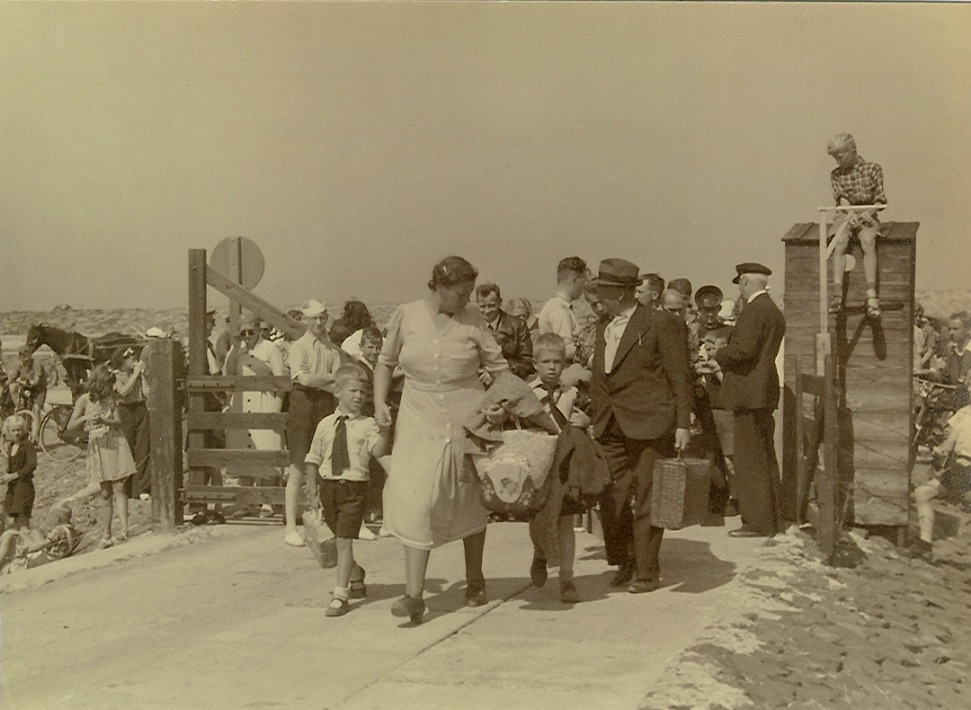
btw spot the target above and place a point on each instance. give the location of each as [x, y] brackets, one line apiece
[357, 589]
[836, 305]
[873, 306]
[338, 607]
[120, 537]
[105, 543]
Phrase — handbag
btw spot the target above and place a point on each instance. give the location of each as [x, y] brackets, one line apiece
[515, 475]
[679, 492]
[320, 539]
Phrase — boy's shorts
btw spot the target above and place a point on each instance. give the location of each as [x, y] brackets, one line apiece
[343, 503]
[957, 478]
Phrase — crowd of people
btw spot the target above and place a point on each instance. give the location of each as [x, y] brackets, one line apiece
[633, 366]
[644, 364]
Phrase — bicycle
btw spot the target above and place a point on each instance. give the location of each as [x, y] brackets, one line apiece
[58, 443]
[24, 406]
[936, 407]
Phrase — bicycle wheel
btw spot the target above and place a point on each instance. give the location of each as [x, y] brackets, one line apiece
[61, 448]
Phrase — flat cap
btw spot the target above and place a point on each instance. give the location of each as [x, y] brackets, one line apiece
[751, 267]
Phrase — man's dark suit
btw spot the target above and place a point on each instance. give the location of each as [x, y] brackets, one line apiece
[750, 389]
[512, 335]
[637, 407]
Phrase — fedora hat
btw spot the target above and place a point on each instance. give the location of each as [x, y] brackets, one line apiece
[750, 267]
[312, 308]
[616, 272]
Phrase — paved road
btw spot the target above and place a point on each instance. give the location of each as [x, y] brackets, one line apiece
[236, 621]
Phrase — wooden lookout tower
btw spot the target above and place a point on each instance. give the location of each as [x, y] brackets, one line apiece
[872, 369]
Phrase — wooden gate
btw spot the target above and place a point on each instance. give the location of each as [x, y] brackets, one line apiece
[820, 499]
[258, 464]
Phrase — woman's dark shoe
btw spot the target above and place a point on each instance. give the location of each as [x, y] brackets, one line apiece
[357, 589]
[568, 592]
[475, 594]
[410, 607]
[216, 519]
[537, 572]
[623, 575]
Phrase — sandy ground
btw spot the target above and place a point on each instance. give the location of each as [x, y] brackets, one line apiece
[228, 617]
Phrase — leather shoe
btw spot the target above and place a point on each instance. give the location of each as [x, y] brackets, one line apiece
[742, 532]
[640, 586]
[623, 575]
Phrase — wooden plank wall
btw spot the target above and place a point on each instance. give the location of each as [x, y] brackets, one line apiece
[874, 366]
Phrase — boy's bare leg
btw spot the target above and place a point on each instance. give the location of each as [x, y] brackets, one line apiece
[345, 563]
[868, 241]
[923, 495]
[292, 498]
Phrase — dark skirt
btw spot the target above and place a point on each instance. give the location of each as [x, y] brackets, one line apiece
[20, 498]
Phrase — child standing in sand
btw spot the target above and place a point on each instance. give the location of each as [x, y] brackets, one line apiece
[109, 457]
[21, 463]
[342, 447]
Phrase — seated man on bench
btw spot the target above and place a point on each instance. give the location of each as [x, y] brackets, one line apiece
[859, 183]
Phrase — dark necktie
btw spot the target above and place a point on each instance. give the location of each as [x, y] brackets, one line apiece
[553, 397]
[340, 459]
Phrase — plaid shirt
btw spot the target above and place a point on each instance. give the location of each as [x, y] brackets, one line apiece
[860, 185]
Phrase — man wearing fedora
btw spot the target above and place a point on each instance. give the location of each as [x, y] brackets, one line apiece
[642, 409]
[750, 388]
[314, 361]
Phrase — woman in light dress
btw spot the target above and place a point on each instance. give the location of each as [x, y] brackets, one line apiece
[432, 494]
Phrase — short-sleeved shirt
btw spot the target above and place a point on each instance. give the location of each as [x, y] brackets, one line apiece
[310, 356]
[960, 424]
[557, 316]
[362, 438]
[860, 185]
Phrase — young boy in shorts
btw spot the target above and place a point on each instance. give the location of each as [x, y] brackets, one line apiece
[563, 403]
[340, 452]
[859, 182]
[954, 479]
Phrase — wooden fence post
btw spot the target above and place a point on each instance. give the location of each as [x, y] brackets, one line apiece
[165, 424]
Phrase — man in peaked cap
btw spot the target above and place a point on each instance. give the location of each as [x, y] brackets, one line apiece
[750, 388]
[641, 412]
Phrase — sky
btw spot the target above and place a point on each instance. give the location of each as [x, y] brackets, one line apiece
[359, 143]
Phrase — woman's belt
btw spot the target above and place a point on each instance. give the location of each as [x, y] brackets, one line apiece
[469, 383]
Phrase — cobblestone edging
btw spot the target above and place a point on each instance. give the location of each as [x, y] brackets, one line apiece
[889, 632]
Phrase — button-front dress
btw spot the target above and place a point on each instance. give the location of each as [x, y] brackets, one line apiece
[432, 493]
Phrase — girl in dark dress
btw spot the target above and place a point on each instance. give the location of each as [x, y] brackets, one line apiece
[21, 462]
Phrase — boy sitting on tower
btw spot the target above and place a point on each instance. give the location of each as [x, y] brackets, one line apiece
[859, 183]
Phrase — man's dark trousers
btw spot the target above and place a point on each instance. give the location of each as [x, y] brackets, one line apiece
[628, 532]
[757, 470]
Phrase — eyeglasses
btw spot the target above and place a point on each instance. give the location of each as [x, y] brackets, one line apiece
[244, 333]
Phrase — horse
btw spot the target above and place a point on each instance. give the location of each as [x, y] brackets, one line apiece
[78, 353]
